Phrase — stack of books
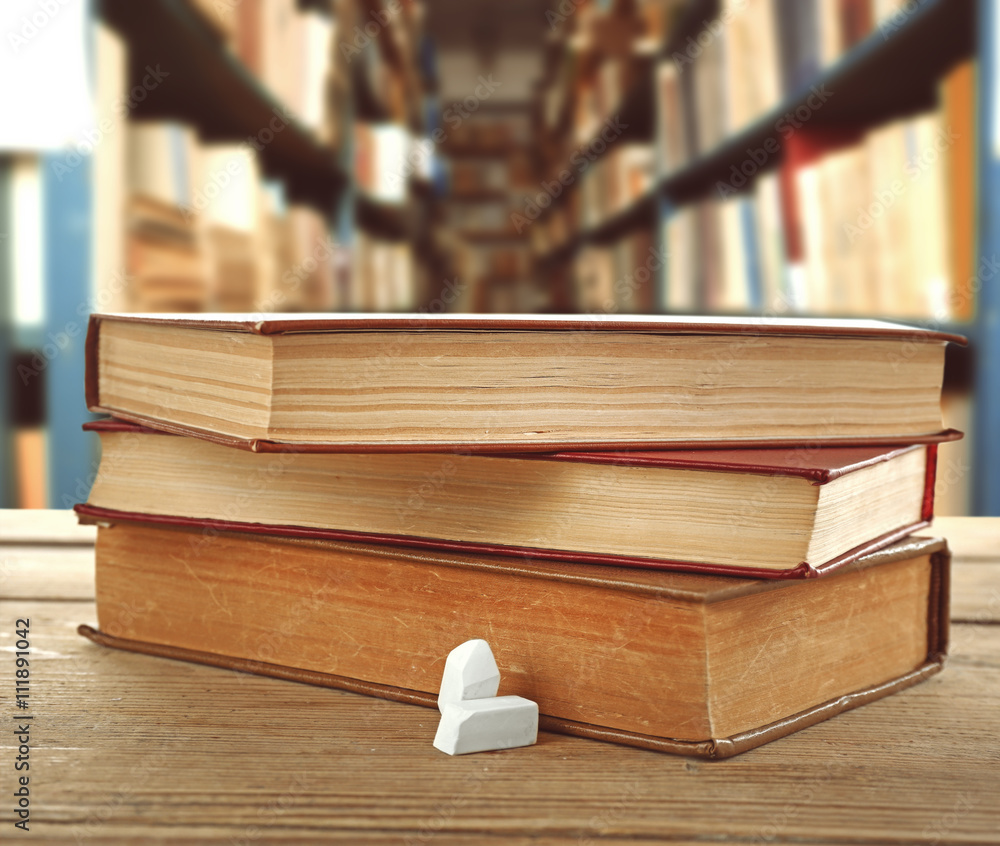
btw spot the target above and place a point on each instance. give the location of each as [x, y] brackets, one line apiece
[685, 534]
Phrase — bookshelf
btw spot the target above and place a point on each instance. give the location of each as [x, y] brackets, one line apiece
[391, 82]
[215, 92]
[490, 173]
[937, 35]
[212, 90]
[209, 91]
[933, 38]
[891, 74]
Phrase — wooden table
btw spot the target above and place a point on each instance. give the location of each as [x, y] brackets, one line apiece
[128, 748]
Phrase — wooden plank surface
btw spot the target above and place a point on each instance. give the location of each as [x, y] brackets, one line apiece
[128, 748]
[47, 572]
[47, 526]
[971, 538]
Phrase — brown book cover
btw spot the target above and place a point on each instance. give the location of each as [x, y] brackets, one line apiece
[699, 665]
[548, 412]
[855, 21]
[958, 97]
[333, 507]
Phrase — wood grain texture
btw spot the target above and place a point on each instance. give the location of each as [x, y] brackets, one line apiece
[228, 758]
[41, 572]
[51, 527]
[224, 752]
[975, 593]
[970, 538]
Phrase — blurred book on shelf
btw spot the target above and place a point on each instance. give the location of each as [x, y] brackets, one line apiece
[166, 260]
[876, 220]
[752, 72]
[674, 148]
[380, 161]
[616, 181]
[383, 276]
[306, 277]
[958, 100]
[738, 68]
[493, 186]
[620, 278]
[230, 182]
[290, 50]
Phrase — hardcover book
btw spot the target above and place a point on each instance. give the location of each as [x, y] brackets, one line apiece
[408, 383]
[683, 663]
[775, 513]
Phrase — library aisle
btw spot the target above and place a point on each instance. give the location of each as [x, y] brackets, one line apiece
[831, 158]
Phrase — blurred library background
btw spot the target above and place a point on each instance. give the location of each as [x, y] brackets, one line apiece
[722, 157]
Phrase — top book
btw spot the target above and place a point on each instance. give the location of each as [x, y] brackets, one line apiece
[512, 383]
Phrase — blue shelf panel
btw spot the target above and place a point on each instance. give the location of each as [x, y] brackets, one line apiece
[68, 239]
[986, 435]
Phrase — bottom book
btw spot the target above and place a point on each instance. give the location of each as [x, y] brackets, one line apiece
[689, 664]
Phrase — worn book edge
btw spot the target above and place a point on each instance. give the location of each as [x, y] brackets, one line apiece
[767, 462]
[803, 570]
[493, 447]
[277, 324]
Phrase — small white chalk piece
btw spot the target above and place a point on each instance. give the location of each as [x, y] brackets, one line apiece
[484, 725]
[469, 673]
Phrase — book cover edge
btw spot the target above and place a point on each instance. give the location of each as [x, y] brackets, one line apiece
[496, 447]
[276, 324]
[87, 513]
[639, 458]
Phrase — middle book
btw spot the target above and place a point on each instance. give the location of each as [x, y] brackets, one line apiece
[772, 513]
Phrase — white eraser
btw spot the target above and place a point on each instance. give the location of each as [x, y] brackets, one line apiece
[469, 673]
[482, 725]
